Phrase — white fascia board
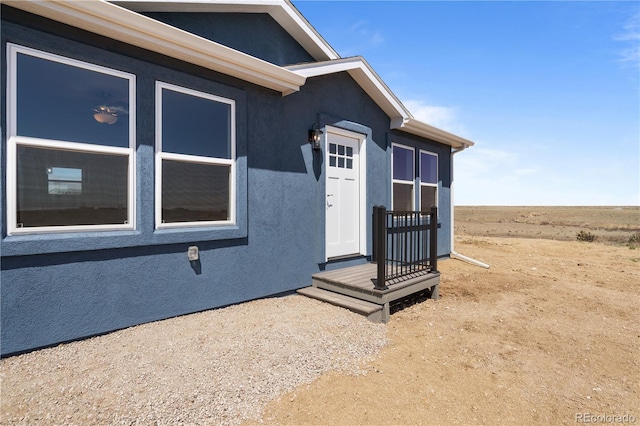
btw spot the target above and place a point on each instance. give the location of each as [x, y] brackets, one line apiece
[303, 32]
[101, 17]
[223, 6]
[364, 75]
[282, 11]
[419, 128]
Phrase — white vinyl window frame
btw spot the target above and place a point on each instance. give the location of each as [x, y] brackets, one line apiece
[401, 181]
[432, 185]
[14, 140]
[160, 156]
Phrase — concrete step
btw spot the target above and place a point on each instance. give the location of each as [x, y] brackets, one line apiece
[372, 311]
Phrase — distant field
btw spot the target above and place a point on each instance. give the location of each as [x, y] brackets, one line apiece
[614, 225]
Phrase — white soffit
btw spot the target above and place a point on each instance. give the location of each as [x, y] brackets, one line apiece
[121, 24]
[282, 11]
[372, 84]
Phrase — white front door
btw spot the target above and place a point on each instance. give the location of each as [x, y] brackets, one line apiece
[343, 195]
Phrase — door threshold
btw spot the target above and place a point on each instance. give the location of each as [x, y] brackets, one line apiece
[345, 257]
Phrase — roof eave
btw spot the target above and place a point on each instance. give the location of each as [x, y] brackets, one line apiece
[282, 11]
[101, 17]
[420, 128]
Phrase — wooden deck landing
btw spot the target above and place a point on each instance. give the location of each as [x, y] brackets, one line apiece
[355, 284]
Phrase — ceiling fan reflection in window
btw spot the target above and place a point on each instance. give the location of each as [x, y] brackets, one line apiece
[111, 107]
[107, 114]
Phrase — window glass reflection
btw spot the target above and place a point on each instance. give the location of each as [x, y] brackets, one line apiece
[402, 163]
[63, 102]
[193, 125]
[428, 168]
[402, 197]
[64, 188]
[427, 198]
[64, 180]
[193, 192]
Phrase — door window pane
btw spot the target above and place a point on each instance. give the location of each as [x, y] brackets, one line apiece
[64, 188]
[343, 157]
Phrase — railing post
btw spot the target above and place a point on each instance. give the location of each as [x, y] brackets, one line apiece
[374, 235]
[380, 219]
[433, 239]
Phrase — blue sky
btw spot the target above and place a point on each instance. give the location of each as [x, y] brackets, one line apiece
[549, 91]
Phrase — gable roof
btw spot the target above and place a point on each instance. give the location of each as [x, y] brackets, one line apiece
[282, 11]
[372, 84]
[360, 70]
[119, 20]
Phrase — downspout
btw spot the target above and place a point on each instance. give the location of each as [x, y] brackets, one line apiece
[452, 252]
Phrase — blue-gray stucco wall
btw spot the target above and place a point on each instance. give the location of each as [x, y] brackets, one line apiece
[256, 34]
[60, 287]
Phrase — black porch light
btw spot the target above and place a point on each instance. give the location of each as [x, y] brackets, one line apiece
[315, 135]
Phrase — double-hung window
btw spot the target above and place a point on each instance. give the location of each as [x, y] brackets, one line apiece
[403, 177]
[70, 144]
[405, 197]
[428, 181]
[195, 158]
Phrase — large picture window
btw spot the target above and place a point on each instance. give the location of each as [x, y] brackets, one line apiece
[428, 181]
[70, 155]
[403, 177]
[195, 158]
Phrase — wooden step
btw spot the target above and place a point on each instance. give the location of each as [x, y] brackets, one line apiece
[372, 311]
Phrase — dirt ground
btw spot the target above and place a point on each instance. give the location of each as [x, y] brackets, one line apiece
[550, 334]
[613, 225]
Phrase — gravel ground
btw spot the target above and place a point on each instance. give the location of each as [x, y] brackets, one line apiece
[215, 367]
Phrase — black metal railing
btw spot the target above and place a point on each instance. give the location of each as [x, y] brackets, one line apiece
[404, 244]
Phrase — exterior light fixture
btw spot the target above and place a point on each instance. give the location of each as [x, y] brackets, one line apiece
[105, 115]
[315, 136]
